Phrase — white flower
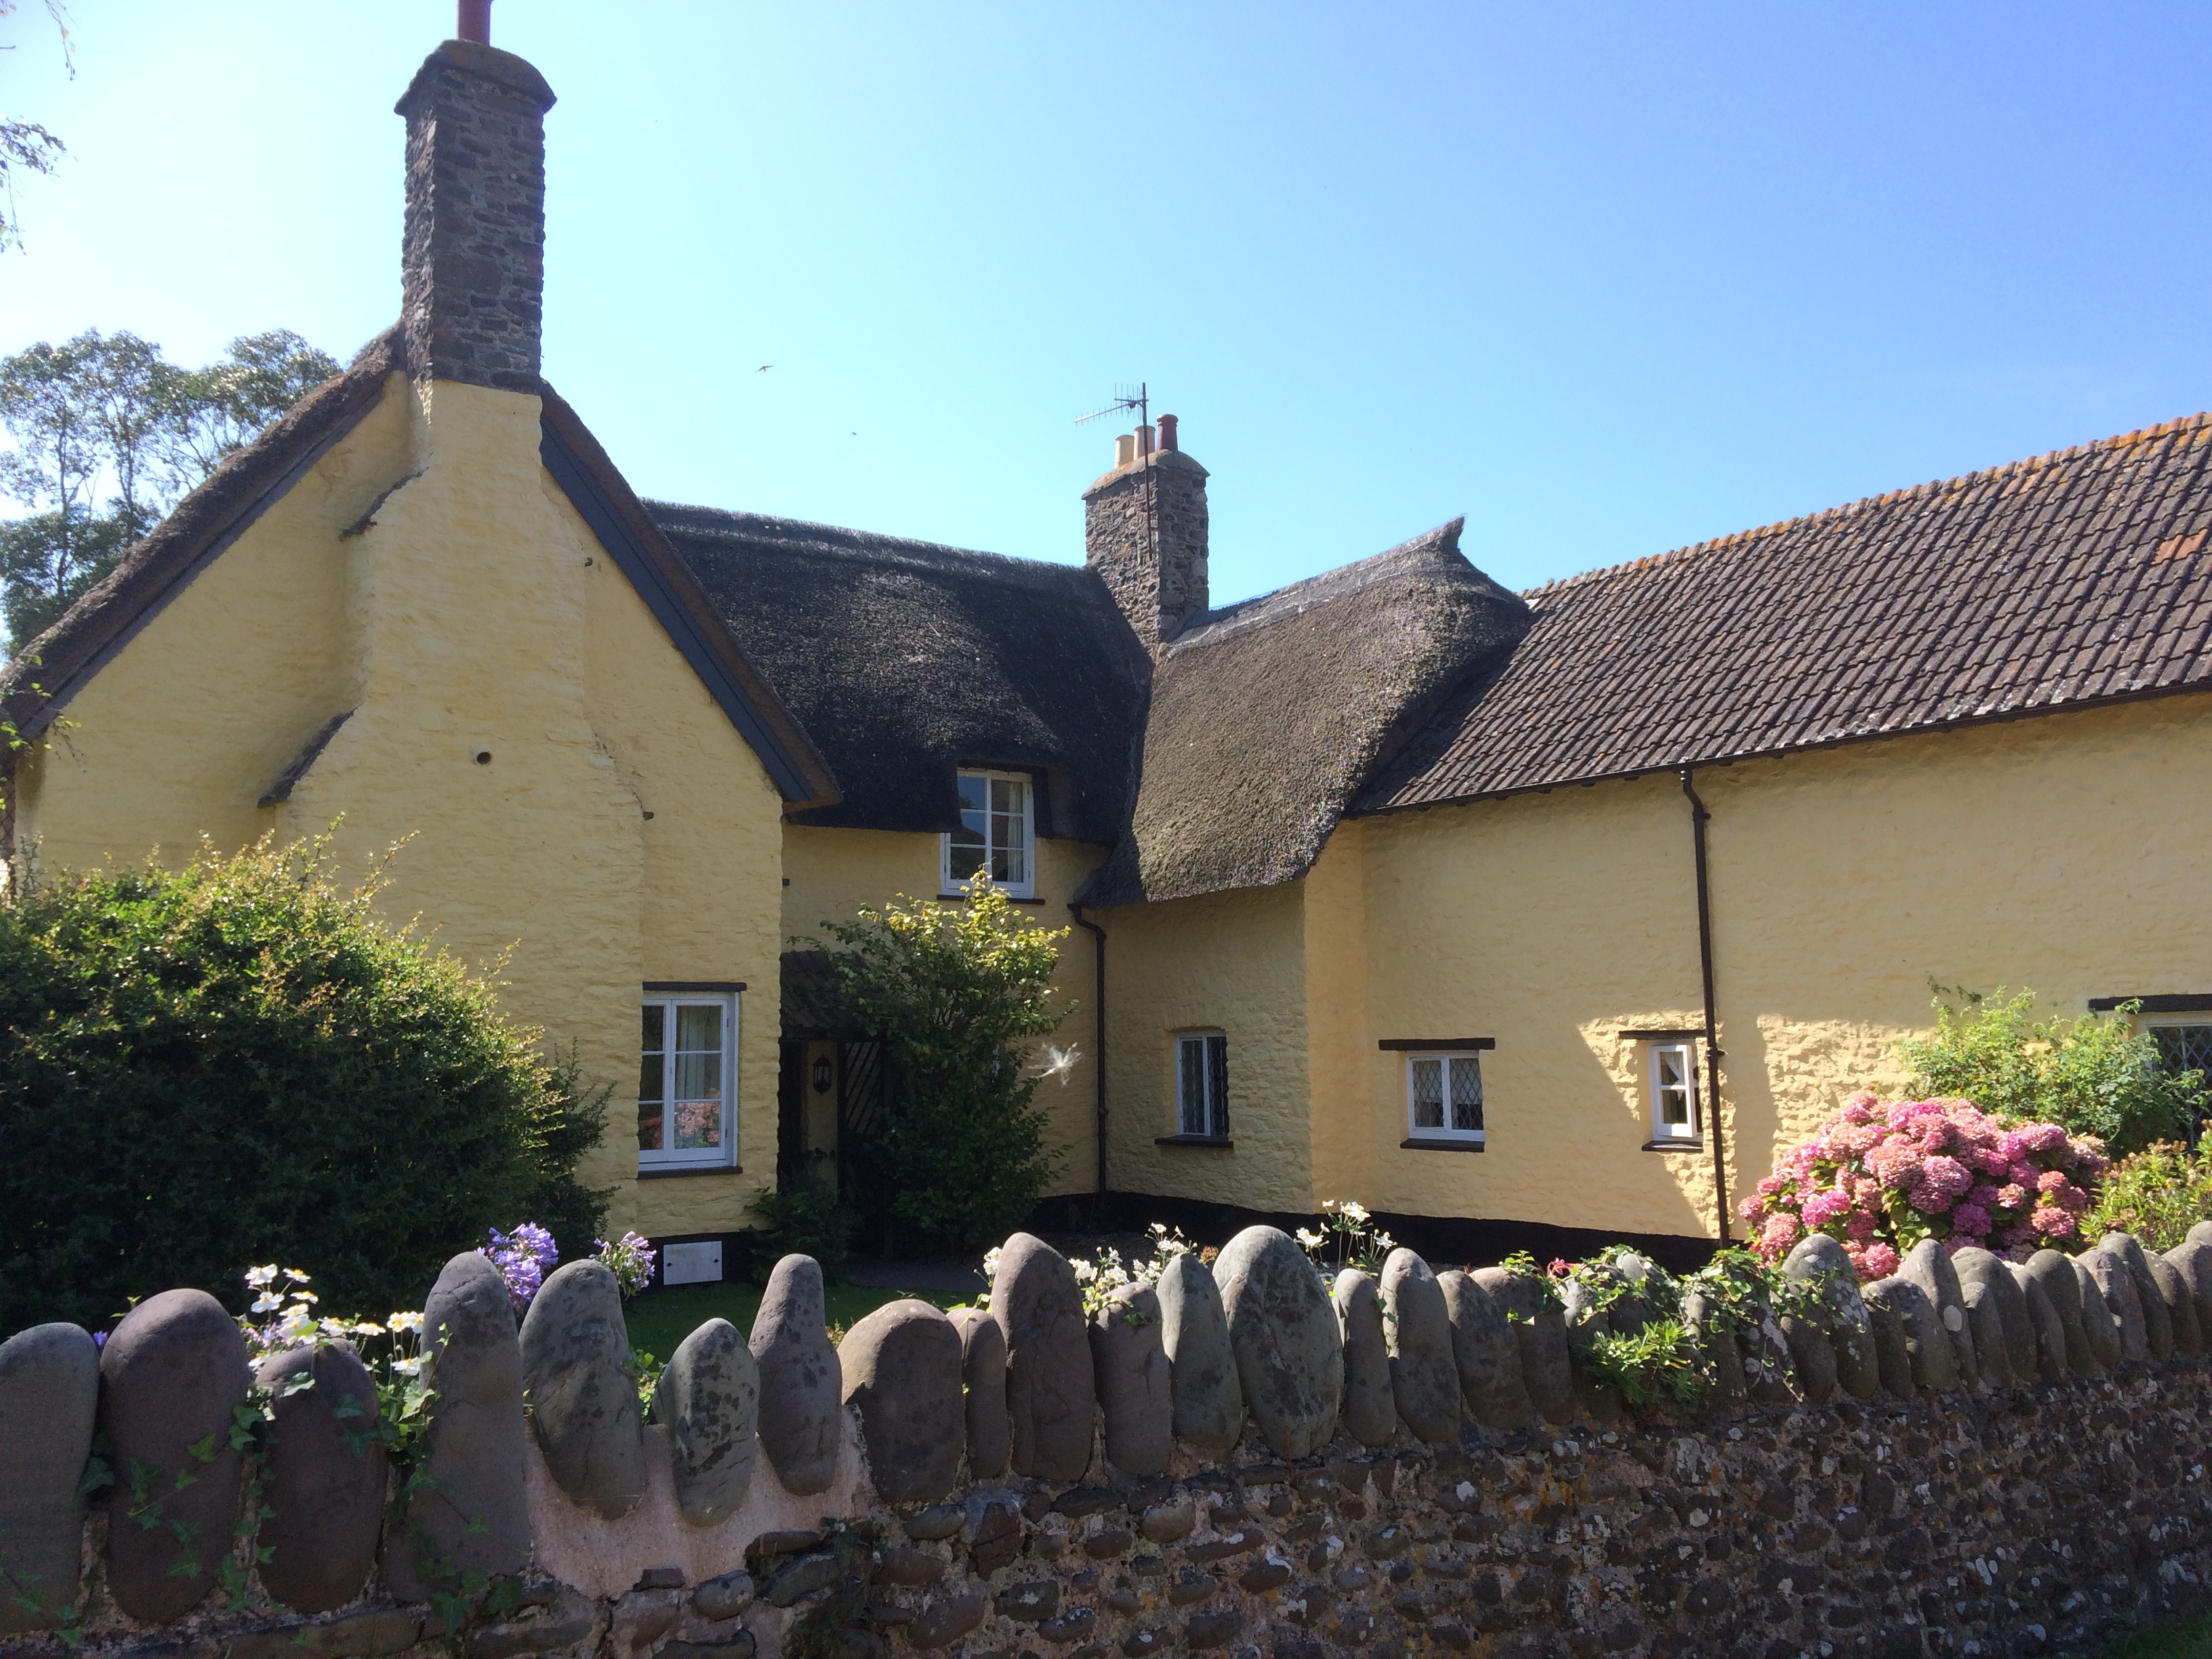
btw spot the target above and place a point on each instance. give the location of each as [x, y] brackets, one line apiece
[267, 1302]
[1311, 1239]
[410, 1367]
[1355, 1213]
[366, 1327]
[258, 1277]
[295, 1275]
[404, 1321]
[1159, 1230]
[1084, 1271]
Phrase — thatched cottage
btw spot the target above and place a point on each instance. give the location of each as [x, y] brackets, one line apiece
[1565, 907]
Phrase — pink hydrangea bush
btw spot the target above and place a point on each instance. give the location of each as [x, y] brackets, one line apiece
[1882, 1175]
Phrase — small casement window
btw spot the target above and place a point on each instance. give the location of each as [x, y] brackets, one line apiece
[687, 1069]
[2184, 1044]
[1202, 1084]
[1672, 1069]
[997, 835]
[1443, 1097]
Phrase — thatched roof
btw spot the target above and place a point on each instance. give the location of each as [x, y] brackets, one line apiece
[2062, 581]
[905, 660]
[1265, 720]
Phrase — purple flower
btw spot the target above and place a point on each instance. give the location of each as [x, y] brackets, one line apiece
[522, 1258]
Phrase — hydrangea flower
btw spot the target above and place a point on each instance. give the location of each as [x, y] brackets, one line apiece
[1881, 1175]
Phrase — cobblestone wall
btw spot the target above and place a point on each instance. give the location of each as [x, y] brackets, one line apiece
[2035, 1514]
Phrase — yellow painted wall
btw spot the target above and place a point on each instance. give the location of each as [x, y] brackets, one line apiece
[476, 616]
[2062, 854]
[1232, 961]
[833, 873]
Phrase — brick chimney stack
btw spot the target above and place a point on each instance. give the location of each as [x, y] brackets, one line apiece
[473, 260]
[1144, 531]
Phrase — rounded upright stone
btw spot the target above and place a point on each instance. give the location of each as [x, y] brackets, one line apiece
[1424, 1381]
[1487, 1353]
[1812, 1356]
[2110, 1313]
[1892, 1350]
[1585, 1322]
[983, 1374]
[1707, 1327]
[1130, 1367]
[802, 1386]
[2100, 1320]
[901, 1368]
[2180, 1307]
[324, 1479]
[466, 1509]
[1928, 1349]
[1819, 1258]
[2193, 1261]
[709, 1401]
[1539, 1327]
[583, 1396]
[1290, 1358]
[2051, 1365]
[1769, 1370]
[1209, 1398]
[2062, 1287]
[49, 1398]
[170, 1377]
[2201, 1233]
[2157, 1324]
[1370, 1410]
[2015, 1331]
[1927, 1265]
[1977, 1291]
[1051, 1396]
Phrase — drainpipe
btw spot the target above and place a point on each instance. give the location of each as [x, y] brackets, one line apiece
[1097, 1057]
[1699, 819]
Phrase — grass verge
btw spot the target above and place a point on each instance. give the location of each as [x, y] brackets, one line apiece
[659, 1320]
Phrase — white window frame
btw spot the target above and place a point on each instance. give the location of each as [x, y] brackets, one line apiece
[1449, 1058]
[1663, 1132]
[1213, 1047]
[950, 887]
[708, 1158]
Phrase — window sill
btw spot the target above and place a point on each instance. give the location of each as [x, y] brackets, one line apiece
[1674, 1146]
[1222, 1141]
[671, 1172]
[1011, 898]
[1421, 1145]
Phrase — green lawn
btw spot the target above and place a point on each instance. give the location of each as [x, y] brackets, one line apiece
[660, 1320]
[2192, 1640]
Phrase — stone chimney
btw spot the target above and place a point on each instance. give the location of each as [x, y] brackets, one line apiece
[1144, 531]
[473, 262]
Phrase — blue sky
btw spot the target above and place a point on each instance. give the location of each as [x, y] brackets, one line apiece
[1605, 279]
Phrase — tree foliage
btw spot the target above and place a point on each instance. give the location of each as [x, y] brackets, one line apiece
[236, 1063]
[955, 991]
[2091, 1076]
[25, 146]
[106, 436]
[2158, 1194]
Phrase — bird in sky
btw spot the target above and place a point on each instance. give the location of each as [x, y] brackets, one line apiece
[763, 368]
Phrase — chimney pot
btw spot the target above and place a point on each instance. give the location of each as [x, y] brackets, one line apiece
[1167, 432]
[1144, 440]
[1125, 449]
[474, 23]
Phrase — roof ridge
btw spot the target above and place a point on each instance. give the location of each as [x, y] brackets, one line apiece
[1957, 482]
[864, 542]
[1338, 582]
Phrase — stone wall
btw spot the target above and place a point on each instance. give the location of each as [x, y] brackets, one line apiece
[1144, 531]
[1972, 1458]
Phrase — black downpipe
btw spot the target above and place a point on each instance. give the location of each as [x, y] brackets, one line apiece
[1698, 818]
[1097, 1058]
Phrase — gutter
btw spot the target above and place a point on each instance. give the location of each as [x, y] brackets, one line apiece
[1099, 1057]
[1699, 819]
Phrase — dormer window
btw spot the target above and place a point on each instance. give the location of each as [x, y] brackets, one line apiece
[997, 835]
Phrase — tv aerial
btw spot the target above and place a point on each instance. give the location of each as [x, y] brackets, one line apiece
[1123, 398]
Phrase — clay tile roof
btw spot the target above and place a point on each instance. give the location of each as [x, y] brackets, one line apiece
[2073, 578]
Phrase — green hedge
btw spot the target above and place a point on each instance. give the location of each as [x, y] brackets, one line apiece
[236, 1062]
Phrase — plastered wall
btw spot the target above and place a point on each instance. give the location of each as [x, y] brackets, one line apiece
[476, 615]
[834, 873]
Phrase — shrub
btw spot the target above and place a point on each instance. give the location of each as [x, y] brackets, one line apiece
[951, 990]
[234, 1062]
[803, 1221]
[1881, 1175]
[2158, 1194]
[2091, 1076]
